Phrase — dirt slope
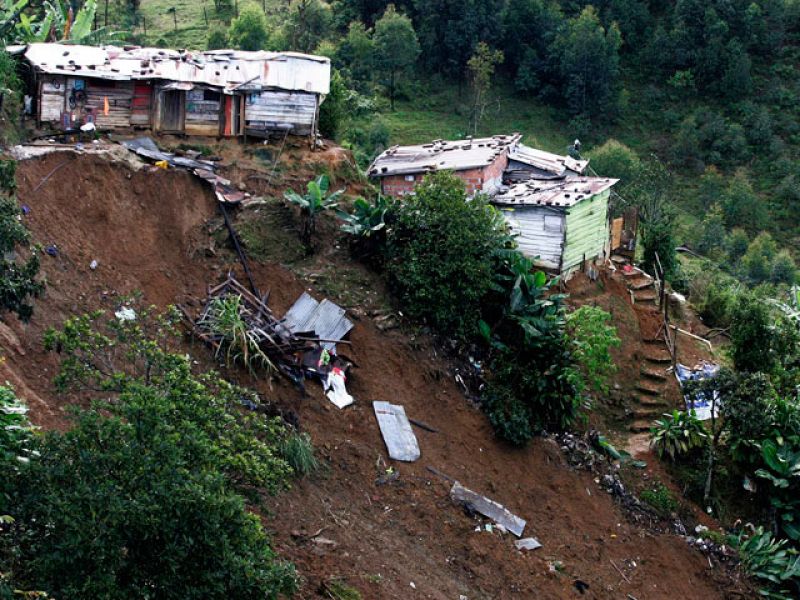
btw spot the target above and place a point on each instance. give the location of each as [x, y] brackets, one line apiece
[149, 232]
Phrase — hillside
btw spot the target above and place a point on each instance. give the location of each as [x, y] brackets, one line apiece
[397, 537]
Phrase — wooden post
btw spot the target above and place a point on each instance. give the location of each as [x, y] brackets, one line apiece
[205, 15]
[144, 24]
[175, 18]
[106, 16]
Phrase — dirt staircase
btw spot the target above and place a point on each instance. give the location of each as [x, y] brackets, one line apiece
[650, 394]
[641, 286]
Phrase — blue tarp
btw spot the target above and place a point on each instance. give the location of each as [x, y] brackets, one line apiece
[700, 403]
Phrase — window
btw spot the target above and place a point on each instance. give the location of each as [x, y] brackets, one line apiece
[409, 178]
[553, 223]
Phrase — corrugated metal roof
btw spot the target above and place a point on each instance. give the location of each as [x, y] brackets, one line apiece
[326, 319]
[442, 155]
[546, 193]
[230, 70]
[547, 161]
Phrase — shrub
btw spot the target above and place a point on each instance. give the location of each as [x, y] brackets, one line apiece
[315, 201]
[590, 337]
[784, 269]
[139, 370]
[677, 434]
[217, 39]
[660, 498]
[121, 508]
[770, 560]
[441, 252]
[18, 284]
[614, 159]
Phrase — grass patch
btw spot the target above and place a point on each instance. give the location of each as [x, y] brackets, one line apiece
[336, 589]
[660, 499]
[297, 450]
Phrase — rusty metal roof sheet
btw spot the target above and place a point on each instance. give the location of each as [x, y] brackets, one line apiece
[562, 194]
[547, 161]
[441, 155]
[230, 70]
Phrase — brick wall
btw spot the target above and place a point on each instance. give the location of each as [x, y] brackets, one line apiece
[485, 179]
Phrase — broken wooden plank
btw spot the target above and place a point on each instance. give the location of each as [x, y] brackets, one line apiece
[488, 508]
[396, 431]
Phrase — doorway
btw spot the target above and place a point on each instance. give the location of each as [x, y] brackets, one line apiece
[173, 110]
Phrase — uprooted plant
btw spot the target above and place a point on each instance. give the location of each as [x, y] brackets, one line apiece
[239, 343]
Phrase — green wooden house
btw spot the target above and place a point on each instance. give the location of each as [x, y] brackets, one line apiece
[559, 223]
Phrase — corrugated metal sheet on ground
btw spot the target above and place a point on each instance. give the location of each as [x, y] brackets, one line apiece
[325, 319]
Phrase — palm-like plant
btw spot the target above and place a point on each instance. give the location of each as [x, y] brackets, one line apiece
[313, 202]
[677, 433]
[53, 24]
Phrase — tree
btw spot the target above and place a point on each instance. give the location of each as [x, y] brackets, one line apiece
[752, 336]
[333, 111]
[742, 207]
[311, 204]
[356, 54]
[529, 27]
[757, 261]
[249, 30]
[481, 69]
[309, 22]
[440, 251]
[396, 47]
[713, 235]
[217, 39]
[449, 31]
[614, 159]
[587, 58]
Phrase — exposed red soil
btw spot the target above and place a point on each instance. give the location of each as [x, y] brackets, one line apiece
[149, 232]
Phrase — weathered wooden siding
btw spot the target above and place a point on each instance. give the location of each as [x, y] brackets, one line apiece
[119, 95]
[203, 112]
[51, 99]
[587, 230]
[539, 231]
[273, 110]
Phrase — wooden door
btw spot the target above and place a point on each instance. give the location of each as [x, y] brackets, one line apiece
[173, 107]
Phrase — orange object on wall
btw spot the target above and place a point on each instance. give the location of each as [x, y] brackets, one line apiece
[105, 106]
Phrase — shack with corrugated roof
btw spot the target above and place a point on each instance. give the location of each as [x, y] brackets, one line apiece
[560, 224]
[224, 93]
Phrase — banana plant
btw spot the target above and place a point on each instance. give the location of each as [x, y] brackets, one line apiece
[367, 218]
[315, 201]
[783, 470]
[677, 433]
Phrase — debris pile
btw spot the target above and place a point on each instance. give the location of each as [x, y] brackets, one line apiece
[296, 352]
[204, 169]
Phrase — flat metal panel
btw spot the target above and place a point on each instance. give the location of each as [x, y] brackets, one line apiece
[400, 440]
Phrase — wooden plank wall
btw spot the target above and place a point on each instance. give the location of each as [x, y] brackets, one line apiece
[51, 98]
[269, 109]
[202, 115]
[120, 102]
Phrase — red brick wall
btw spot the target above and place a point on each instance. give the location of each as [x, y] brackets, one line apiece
[474, 179]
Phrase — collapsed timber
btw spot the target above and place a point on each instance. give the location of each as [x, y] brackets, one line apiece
[236, 323]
